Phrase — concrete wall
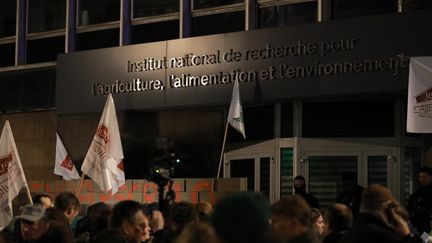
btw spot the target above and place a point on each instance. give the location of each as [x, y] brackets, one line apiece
[34, 134]
[190, 190]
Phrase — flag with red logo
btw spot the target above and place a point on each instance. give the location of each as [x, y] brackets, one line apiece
[12, 177]
[419, 109]
[104, 160]
[63, 162]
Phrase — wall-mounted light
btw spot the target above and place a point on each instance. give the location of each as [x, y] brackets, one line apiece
[303, 159]
[391, 158]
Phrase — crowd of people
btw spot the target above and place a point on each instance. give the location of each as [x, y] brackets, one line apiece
[370, 214]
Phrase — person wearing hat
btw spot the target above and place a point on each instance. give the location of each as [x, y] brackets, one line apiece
[36, 227]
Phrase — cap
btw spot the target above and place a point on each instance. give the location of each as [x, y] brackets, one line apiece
[32, 212]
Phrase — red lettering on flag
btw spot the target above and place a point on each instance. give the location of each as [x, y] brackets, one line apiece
[67, 163]
[120, 165]
[103, 132]
[4, 163]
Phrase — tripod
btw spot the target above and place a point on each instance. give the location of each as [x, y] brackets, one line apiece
[166, 200]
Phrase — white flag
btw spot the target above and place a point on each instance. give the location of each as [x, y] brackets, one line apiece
[12, 177]
[235, 115]
[104, 160]
[63, 162]
[419, 110]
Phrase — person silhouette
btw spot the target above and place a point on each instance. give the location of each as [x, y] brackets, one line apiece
[351, 195]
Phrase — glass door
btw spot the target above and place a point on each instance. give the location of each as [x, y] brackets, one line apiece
[382, 168]
[323, 170]
[257, 167]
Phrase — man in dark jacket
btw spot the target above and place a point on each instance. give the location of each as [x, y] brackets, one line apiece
[127, 224]
[380, 220]
[69, 204]
[339, 220]
[291, 221]
[420, 202]
[300, 189]
[351, 195]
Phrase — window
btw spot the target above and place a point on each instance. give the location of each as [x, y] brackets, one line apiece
[159, 31]
[45, 50]
[200, 4]
[150, 135]
[7, 54]
[145, 8]
[259, 124]
[287, 120]
[418, 4]
[354, 8]
[283, 15]
[325, 182]
[411, 166]
[10, 92]
[348, 119]
[244, 168]
[96, 12]
[218, 23]
[27, 90]
[377, 170]
[45, 15]
[7, 18]
[98, 39]
[265, 176]
[286, 171]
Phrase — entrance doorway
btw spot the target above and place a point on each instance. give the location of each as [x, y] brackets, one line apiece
[323, 170]
[271, 165]
[257, 167]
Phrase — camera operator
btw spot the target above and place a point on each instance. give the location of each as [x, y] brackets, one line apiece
[161, 171]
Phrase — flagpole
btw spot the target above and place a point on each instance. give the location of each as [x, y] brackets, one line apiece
[29, 194]
[222, 152]
[80, 184]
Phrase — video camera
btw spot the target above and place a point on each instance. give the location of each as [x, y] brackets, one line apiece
[161, 169]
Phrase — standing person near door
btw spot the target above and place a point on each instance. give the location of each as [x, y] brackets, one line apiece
[300, 189]
[352, 193]
[420, 202]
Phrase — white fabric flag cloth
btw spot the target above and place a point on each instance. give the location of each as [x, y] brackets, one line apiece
[235, 115]
[12, 177]
[419, 110]
[104, 160]
[63, 162]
